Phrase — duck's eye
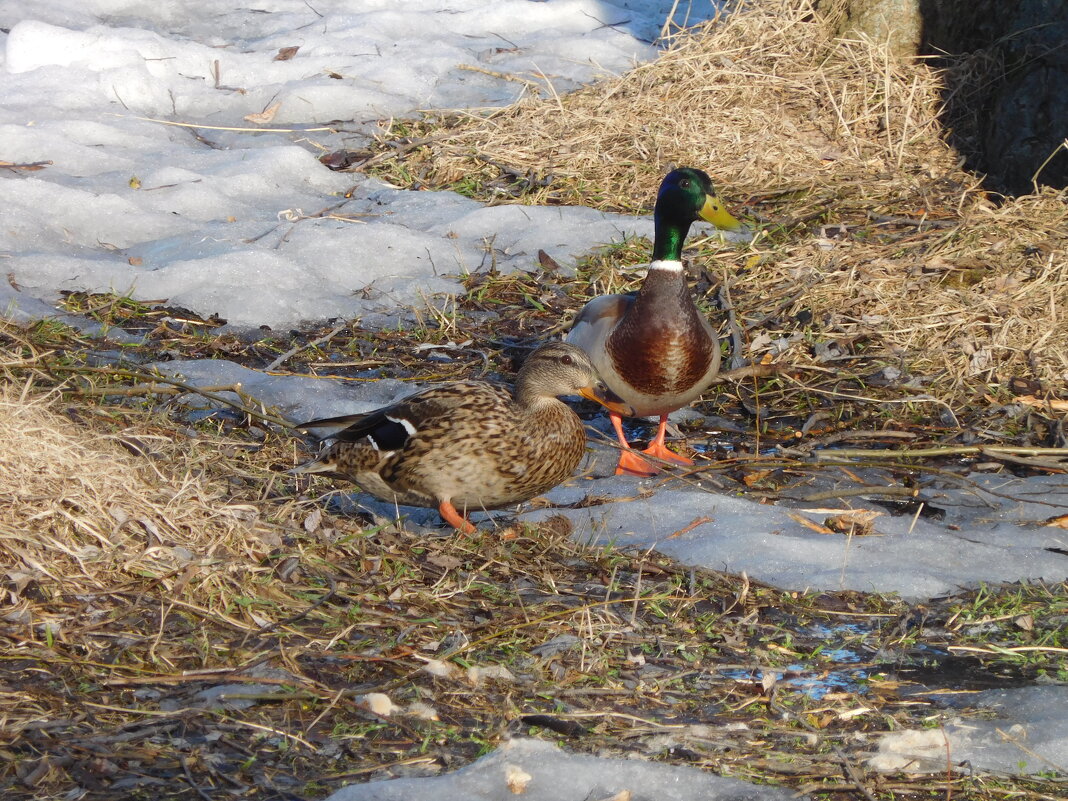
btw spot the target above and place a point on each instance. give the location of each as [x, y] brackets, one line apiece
[566, 359]
[684, 183]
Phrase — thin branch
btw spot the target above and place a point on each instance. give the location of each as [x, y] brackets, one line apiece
[315, 343]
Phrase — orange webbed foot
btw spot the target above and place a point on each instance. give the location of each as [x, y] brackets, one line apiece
[631, 464]
[660, 451]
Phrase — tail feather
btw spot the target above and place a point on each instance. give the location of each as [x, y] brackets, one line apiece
[326, 463]
[330, 427]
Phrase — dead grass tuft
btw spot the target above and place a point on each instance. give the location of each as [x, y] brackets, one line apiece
[763, 97]
[77, 509]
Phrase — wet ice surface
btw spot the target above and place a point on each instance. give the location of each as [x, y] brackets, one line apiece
[538, 771]
[839, 668]
[996, 538]
[1021, 730]
[249, 225]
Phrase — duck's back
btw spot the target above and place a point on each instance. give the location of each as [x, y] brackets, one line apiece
[470, 442]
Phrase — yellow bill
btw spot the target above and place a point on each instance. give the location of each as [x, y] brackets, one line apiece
[716, 213]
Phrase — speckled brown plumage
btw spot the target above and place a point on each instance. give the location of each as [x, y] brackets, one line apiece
[470, 445]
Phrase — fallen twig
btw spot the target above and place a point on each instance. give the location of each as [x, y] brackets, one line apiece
[228, 127]
[847, 492]
[994, 452]
[30, 166]
[314, 343]
[150, 378]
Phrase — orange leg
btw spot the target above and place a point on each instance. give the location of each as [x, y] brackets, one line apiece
[454, 518]
[630, 463]
[658, 449]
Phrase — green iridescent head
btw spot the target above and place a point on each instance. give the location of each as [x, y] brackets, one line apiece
[686, 195]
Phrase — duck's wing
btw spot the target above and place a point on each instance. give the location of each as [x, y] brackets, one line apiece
[596, 321]
[390, 428]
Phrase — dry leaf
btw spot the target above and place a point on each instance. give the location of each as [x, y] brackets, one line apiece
[857, 522]
[264, 116]
[1061, 521]
[547, 262]
[755, 477]
[1057, 404]
[444, 560]
[341, 159]
[286, 53]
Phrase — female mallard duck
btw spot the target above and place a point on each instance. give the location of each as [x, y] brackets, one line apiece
[655, 350]
[470, 444]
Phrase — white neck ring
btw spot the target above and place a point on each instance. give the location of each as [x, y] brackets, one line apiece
[666, 266]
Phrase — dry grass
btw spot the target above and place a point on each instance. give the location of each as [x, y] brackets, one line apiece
[145, 560]
[85, 509]
[147, 565]
[763, 98]
[837, 150]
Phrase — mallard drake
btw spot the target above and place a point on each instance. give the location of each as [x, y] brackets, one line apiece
[470, 444]
[655, 350]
